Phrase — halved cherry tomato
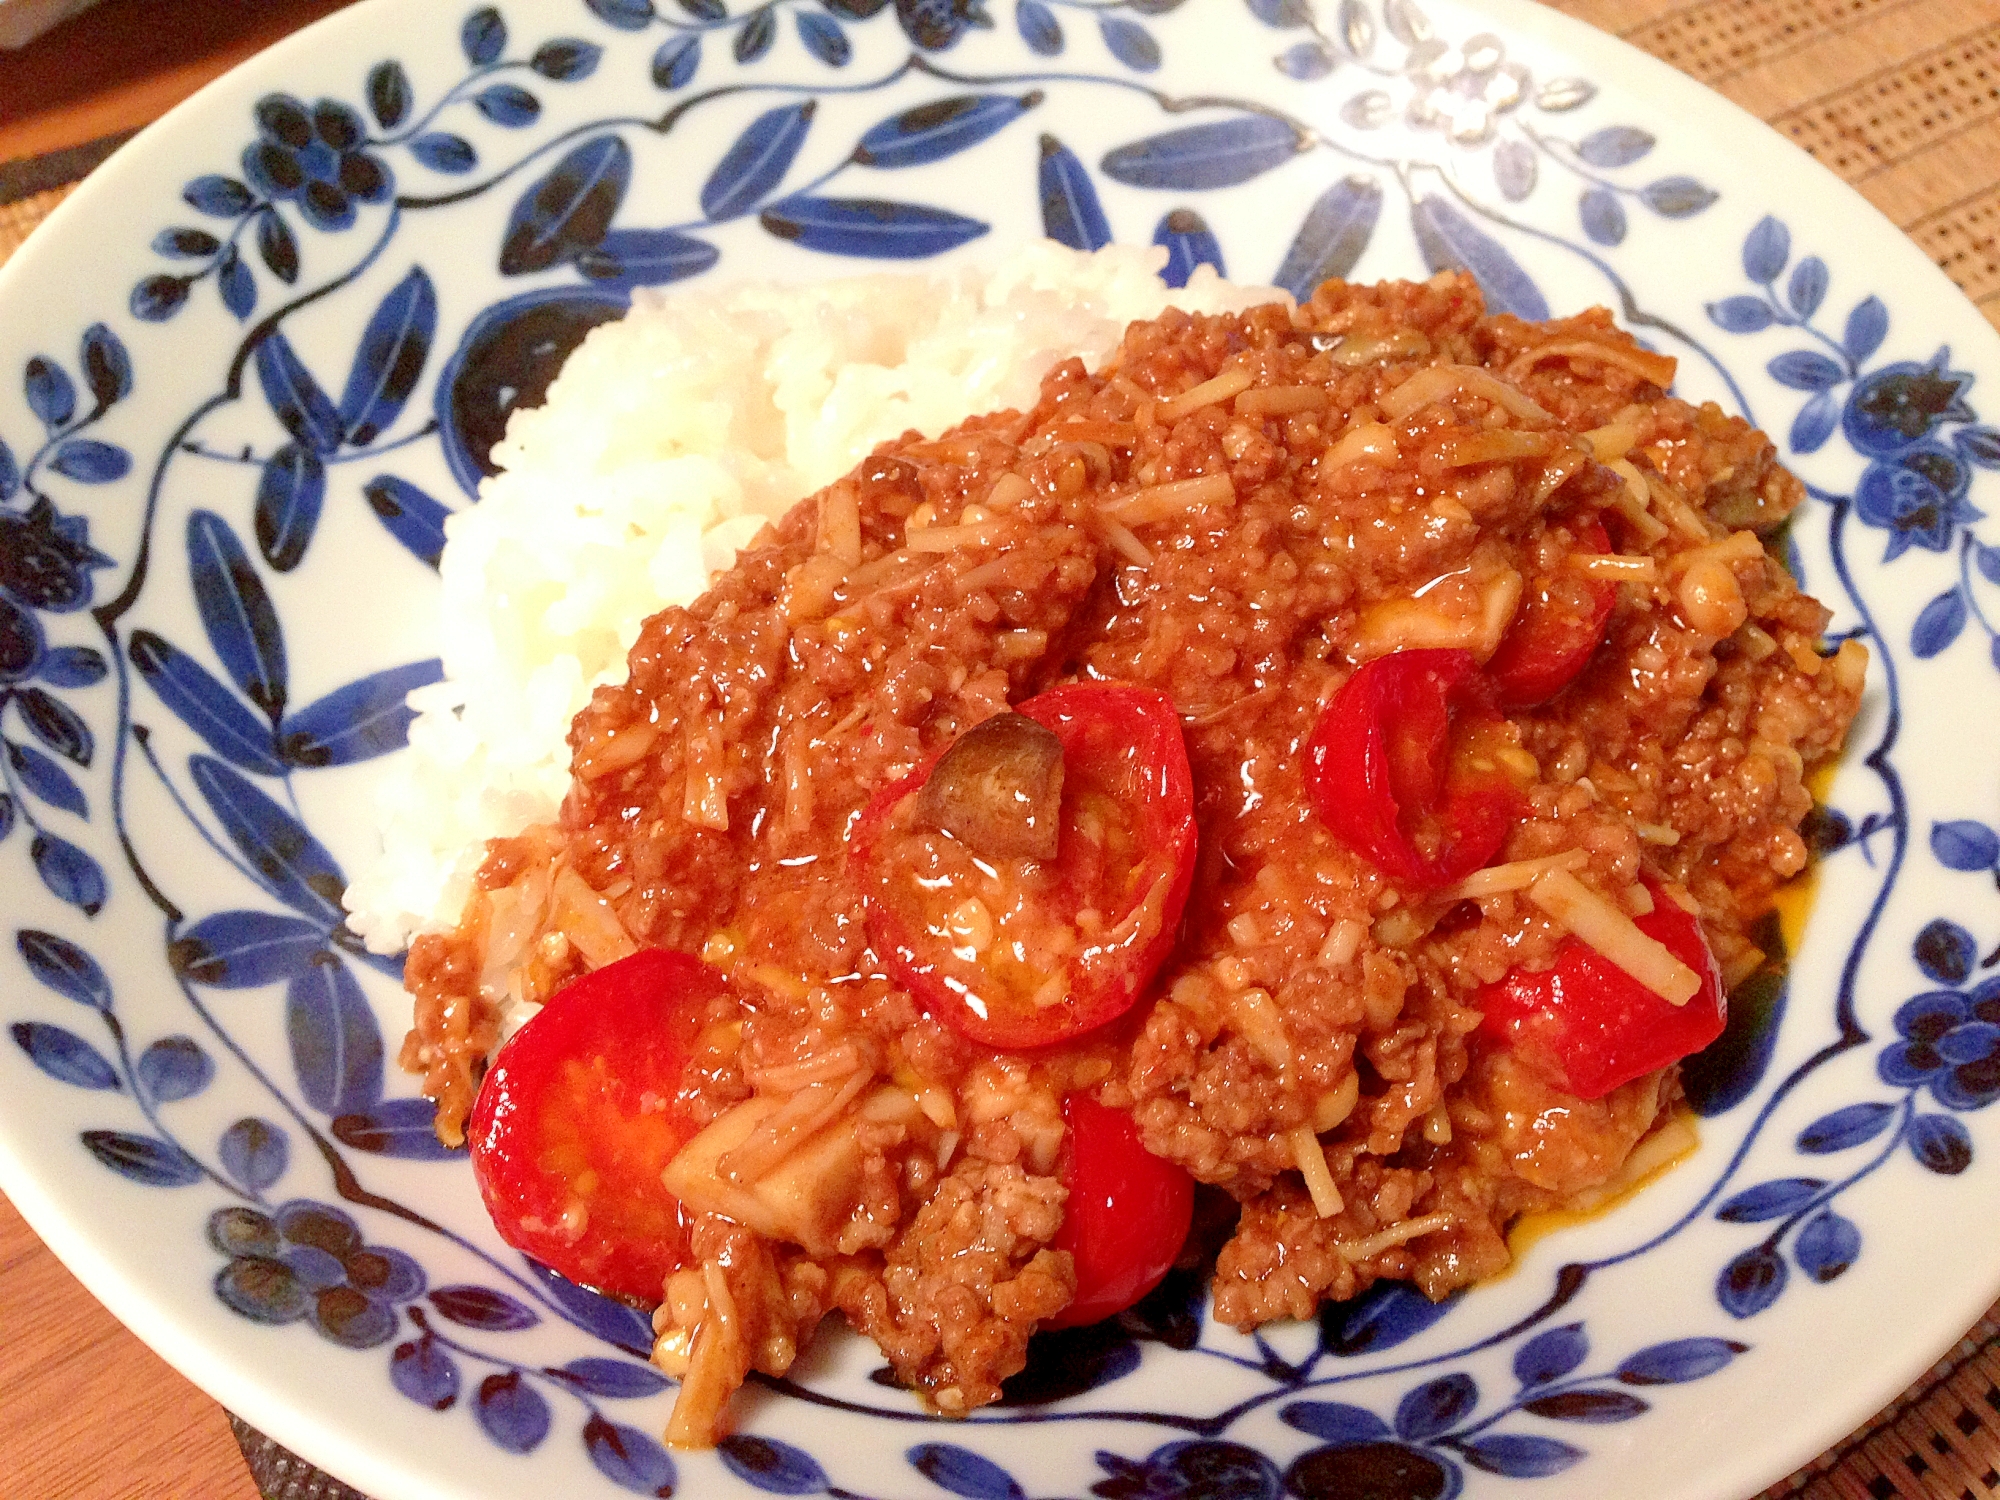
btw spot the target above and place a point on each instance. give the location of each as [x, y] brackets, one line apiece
[576, 1121]
[1560, 625]
[1399, 767]
[1591, 1026]
[1127, 1214]
[1018, 952]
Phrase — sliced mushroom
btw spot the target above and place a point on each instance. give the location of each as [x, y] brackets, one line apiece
[998, 789]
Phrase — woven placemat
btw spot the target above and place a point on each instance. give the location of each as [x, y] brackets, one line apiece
[1902, 99]
[19, 218]
[1899, 97]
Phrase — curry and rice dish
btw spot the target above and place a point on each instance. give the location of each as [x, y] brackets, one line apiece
[1333, 755]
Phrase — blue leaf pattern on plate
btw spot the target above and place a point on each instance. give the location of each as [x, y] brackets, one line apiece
[483, 36]
[69, 873]
[172, 1069]
[202, 703]
[1039, 28]
[1964, 843]
[359, 721]
[754, 38]
[1807, 287]
[1521, 1456]
[1846, 1128]
[677, 61]
[1603, 216]
[1435, 1406]
[1071, 211]
[482, 1307]
[1615, 146]
[870, 227]
[1129, 42]
[1305, 61]
[73, 667]
[46, 779]
[931, 132]
[1335, 1421]
[291, 491]
[569, 209]
[295, 397]
[235, 950]
[64, 1056]
[1769, 1200]
[396, 1127]
[1551, 1354]
[57, 725]
[629, 1458]
[1940, 1144]
[1220, 153]
[611, 1321]
[64, 968]
[963, 1472]
[1189, 243]
[754, 166]
[50, 393]
[628, 258]
[823, 38]
[566, 59]
[443, 151]
[236, 611]
[1387, 1314]
[412, 517]
[89, 461]
[143, 1159]
[512, 1412]
[254, 1152]
[426, 1374]
[774, 1467]
[390, 361]
[1452, 242]
[1333, 237]
[284, 858]
[620, 1379]
[1678, 1361]
[1827, 1246]
[336, 1046]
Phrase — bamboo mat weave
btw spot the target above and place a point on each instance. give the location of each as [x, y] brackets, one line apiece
[1901, 98]
[18, 218]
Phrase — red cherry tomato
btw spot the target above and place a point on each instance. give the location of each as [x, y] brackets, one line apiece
[1558, 629]
[1127, 1214]
[1592, 1026]
[1111, 897]
[1399, 767]
[575, 1122]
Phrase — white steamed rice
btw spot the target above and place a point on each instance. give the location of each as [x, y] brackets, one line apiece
[668, 440]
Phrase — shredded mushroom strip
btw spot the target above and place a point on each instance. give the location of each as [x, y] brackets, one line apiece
[1311, 1159]
[1612, 933]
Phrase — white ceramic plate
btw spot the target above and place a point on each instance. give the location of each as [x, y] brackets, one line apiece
[258, 352]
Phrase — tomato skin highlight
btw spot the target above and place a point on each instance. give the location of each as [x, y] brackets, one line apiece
[1126, 737]
[1550, 642]
[575, 1122]
[1382, 776]
[1592, 1026]
[1127, 1214]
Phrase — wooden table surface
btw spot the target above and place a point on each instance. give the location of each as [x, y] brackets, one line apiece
[87, 1412]
[1900, 97]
